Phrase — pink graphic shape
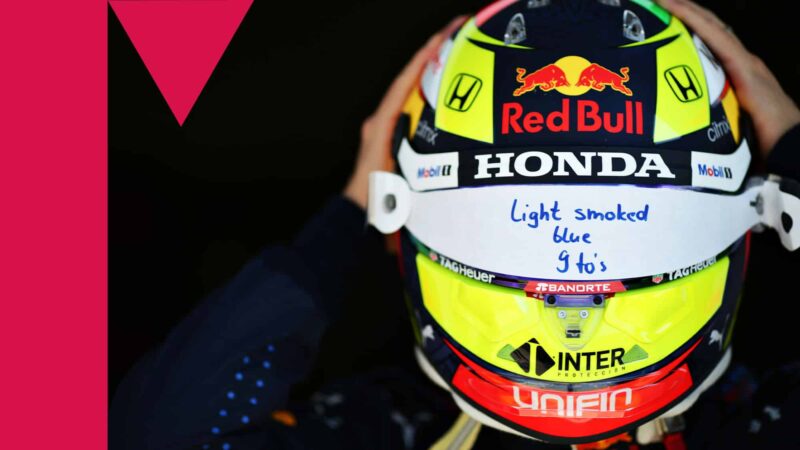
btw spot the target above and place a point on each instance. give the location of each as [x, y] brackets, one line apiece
[180, 42]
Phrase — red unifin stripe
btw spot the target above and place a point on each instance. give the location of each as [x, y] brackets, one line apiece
[571, 414]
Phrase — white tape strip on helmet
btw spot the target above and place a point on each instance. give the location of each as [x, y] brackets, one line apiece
[576, 232]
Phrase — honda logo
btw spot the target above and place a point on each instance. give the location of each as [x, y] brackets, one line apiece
[463, 91]
[683, 83]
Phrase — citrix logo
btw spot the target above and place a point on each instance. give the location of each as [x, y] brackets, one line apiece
[717, 130]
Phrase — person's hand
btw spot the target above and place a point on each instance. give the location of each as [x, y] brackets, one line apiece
[377, 130]
[773, 112]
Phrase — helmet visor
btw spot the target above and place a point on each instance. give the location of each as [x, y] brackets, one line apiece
[556, 340]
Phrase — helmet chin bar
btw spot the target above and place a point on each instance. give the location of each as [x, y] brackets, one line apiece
[434, 376]
[777, 203]
[646, 433]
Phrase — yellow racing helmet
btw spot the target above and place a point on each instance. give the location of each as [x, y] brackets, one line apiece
[573, 207]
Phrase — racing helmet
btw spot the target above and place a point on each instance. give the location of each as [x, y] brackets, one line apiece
[573, 212]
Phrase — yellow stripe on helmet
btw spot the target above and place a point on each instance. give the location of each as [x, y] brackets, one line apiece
[634, 330]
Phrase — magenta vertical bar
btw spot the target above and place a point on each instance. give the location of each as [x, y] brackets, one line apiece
[53, 216]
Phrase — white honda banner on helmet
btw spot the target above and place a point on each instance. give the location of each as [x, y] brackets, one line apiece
[574, 165]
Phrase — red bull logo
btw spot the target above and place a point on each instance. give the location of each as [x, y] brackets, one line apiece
[598, 78]
[547, 78]
[573, 75]
[584, 116]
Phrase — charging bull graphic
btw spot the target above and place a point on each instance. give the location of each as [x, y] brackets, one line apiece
[573, 75]
[547, 78]
[598, 77]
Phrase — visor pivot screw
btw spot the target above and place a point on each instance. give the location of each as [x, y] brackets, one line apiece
[390, 203]
[584, 314]
[562, 314]
[551, 300]
[597, 300]
[758, 204]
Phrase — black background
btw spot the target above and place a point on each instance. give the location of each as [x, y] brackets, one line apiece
[275, 133]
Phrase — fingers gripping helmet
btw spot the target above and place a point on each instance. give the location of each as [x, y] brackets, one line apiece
[572, 208]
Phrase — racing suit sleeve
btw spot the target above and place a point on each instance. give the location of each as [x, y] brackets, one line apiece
[228, 365]
[784, 159]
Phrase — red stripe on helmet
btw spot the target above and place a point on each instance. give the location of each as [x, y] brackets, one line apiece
[574, 287]
[557, 413]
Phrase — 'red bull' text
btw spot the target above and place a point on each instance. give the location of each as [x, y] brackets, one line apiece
[587, 118]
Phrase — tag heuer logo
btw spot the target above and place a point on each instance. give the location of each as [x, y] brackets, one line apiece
[462, 92]
[658, 278]
[683, 83]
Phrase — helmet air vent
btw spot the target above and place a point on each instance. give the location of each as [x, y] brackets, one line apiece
[532, 4]
[632, 27]
[515, 31]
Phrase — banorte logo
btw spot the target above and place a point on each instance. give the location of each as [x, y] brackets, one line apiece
[573, 76]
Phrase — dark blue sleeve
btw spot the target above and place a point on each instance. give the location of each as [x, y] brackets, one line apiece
[232, 361]
[784, 159]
